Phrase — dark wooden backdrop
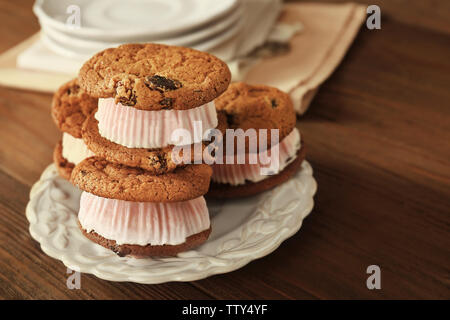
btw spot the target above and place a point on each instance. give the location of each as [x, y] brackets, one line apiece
[378, 137]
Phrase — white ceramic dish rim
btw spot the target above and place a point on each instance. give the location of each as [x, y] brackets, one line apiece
[216, 40]
[72, 53]
[182, 40]
[99, 33]
[226, 262]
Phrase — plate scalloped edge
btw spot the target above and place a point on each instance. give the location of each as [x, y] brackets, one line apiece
[53, 224]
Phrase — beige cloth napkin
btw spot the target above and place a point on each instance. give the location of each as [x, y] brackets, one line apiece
[328, 31]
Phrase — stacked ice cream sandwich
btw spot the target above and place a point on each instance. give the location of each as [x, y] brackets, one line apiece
[272, 161]
[70, 108]
[137, 200]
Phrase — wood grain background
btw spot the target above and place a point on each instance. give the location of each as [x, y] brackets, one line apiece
[378, 137]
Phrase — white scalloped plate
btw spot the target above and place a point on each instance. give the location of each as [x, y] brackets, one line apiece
[242, 231]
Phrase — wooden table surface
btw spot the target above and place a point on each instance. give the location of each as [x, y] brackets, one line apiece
[378, 137]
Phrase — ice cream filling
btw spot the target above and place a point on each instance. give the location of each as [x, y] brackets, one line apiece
[136, 128]
[74, 150]
[238, 174]
[143, 223]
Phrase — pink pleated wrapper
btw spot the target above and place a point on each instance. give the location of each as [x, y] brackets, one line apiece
[143, 223]
[136, 128]
[238, 174]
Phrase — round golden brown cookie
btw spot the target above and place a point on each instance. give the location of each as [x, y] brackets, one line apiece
[227, 191]
[64, 167]
[155, 76]
[257, 107]
[155, 161]
[138, 251]
[70, 107]
[116, 181]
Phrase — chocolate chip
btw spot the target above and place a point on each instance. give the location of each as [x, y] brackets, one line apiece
[230, 119]
[73, 90]
[121, 254]
[274, 103]
[120, 251]
[160, 160]
[167, 102]
[162, 84]
[116, 250]
[131, 101]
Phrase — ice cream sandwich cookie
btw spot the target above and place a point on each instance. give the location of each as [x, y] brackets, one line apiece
[70, 107]
[156, 161]
[257, 107]
[117, 181]
[155, 76]
[138, 214]
[148, 94]
[144, 229]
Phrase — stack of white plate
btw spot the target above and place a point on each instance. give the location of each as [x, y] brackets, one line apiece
[80, 28]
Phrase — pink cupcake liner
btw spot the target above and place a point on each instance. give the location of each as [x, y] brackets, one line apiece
[143, 223]
[136, 128]
[238, 174]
